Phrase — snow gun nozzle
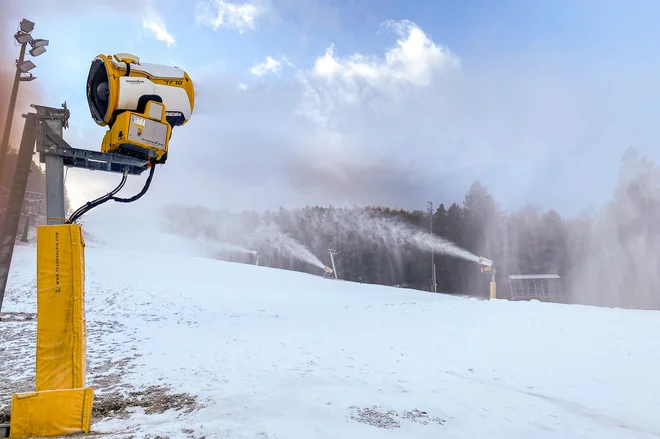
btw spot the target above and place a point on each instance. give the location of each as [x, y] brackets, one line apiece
[485, 262]
[328, 270]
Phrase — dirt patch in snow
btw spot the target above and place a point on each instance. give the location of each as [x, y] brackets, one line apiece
[154, 400]
[17, 316]
[375, 417]
[108, 363]
[390, 419]
[422, 417]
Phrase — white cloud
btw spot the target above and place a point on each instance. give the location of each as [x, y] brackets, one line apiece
[223, 13]
[412, 61]
[335, 81]
[271, 65]
[152, 21]
[406, 124]
[242, 86]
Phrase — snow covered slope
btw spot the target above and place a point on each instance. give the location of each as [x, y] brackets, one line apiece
[191, 347]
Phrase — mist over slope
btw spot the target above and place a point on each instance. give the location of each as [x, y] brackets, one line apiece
[620, 247]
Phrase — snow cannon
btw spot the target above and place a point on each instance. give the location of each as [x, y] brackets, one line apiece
[485, 262]
[140, 103]
[328, 270]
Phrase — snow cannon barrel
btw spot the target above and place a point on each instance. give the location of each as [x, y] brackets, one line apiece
[121, 83]
[485, 262]
[328, 270]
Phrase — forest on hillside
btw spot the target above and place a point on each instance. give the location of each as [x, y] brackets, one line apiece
[607, 258]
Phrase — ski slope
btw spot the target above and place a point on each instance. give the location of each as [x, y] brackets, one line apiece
[265, 353]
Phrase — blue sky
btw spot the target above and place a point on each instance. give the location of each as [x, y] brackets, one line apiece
[537, 99]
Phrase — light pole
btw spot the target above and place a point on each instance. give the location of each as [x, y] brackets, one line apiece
[23, 37]
[434, 284]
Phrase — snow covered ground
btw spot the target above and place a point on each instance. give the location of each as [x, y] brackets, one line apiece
[219, 350]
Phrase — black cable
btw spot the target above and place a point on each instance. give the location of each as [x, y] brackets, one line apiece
[142, 192]
[110, 196]
[92, 204]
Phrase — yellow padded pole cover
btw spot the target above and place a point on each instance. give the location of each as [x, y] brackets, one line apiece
[61, 328]
[51, 413]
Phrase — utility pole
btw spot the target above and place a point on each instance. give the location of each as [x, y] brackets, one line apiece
[332, 259]
[434, 284]
[23, 37]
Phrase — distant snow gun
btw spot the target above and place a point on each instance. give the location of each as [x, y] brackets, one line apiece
[329, 273]
[256, 257]
[487, 267]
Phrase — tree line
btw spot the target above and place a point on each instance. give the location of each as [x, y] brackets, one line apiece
[609, 258]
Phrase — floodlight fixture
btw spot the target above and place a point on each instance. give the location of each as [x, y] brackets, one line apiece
[26, 66]
[26, 26]
[39, 42]
[27, 77]
[37, 51]
[23, 38]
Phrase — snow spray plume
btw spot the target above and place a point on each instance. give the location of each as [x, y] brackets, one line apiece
[212, 227]
[201, 223]
[397, 235]
[616, 256]
[228, 247]
[285, 244]
[211, 231]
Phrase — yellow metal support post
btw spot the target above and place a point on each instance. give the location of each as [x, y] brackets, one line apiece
[493, 285]
[62, 404]
[61, 331]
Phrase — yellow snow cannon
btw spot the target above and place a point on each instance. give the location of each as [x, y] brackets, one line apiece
[486, 265]
[140, 103]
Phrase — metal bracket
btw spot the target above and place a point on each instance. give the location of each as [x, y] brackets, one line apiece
[49, 142]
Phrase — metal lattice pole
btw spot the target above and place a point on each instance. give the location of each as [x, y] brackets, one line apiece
[16, 196]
